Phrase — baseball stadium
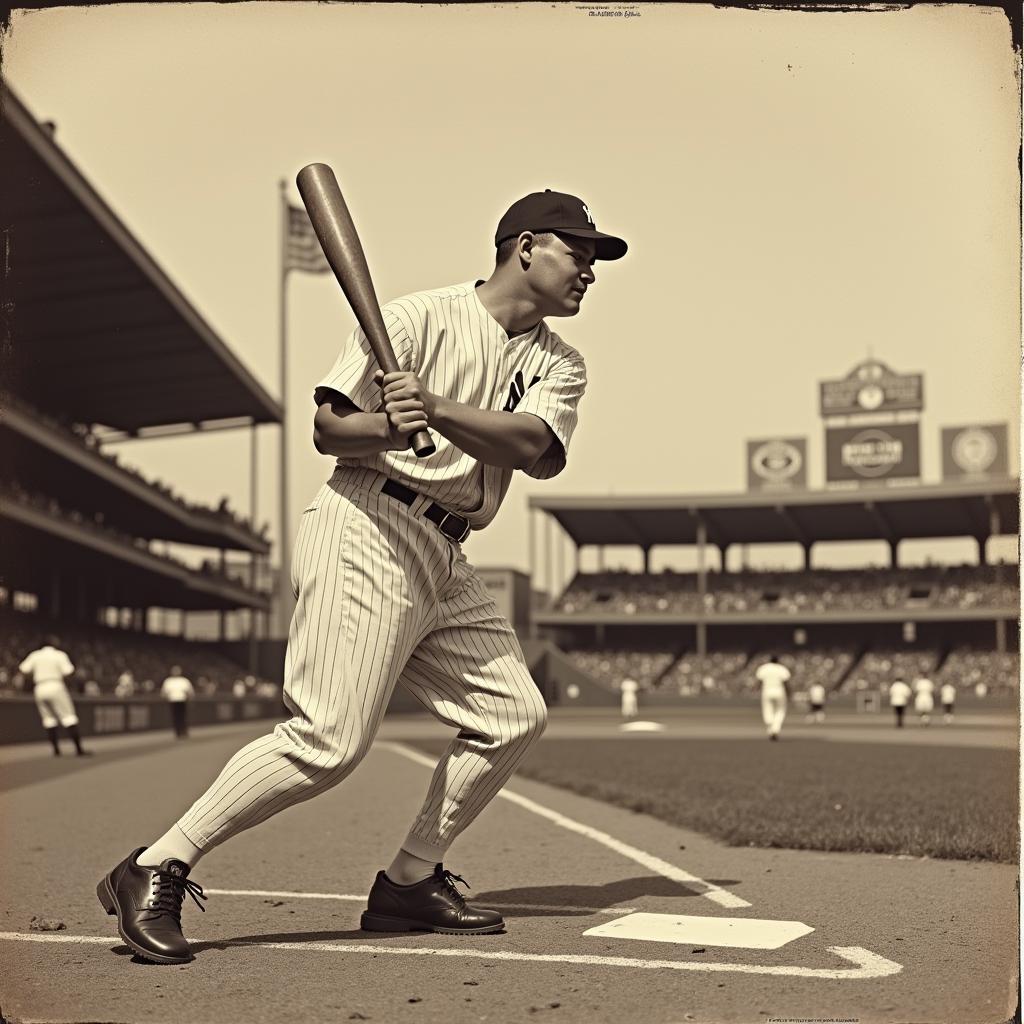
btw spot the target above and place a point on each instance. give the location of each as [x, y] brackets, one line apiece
[659, 858]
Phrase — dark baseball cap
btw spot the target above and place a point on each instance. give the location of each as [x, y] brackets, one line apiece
[557, 211]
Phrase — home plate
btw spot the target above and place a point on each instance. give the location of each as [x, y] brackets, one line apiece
[641, 727]
[738, 932]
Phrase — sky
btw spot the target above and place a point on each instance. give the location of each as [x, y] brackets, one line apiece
[798, 190]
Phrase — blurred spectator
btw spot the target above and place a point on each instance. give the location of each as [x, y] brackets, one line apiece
[125, 685]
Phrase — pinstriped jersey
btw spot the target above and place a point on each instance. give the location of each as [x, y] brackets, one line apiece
[457, 349]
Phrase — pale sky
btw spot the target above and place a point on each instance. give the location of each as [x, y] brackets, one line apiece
[797, 190]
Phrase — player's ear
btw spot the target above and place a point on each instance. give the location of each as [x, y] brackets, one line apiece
[524, 248]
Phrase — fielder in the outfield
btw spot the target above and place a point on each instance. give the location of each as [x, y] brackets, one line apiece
[48, 668]
[899, 697]
[628, 688]
[947, 694]
[384, 591]
[773, 679]
[924, 699]
[816, 701]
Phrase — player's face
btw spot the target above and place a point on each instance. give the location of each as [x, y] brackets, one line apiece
[562, 270]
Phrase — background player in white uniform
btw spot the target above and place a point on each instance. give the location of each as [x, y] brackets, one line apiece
[924, 699]
[384, 592]
[899, 695]
[48, 667]
[628, 688]
[816, 699]
[948, 697]
[178, 691]
[774, 681]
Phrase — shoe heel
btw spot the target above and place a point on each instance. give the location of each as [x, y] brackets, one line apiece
[106, 900]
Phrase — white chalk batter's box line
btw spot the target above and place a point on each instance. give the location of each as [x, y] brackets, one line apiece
[865, 963]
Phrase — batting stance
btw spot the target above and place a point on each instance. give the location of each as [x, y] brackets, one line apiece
[384, 591]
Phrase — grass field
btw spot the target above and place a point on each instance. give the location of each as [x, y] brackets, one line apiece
[947, 802]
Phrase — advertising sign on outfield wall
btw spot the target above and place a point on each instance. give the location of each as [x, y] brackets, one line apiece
[872, 454]
[977, 452]
[777, 464]
[872, 387]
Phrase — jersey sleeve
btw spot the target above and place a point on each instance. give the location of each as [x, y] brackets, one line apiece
[26, 666]
[353, 370]
[555, 399]
[65, 664]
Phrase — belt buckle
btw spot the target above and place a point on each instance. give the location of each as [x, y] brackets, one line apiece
[444, 519]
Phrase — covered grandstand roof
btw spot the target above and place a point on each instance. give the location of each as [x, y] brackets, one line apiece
[805, 517]
[87, 297]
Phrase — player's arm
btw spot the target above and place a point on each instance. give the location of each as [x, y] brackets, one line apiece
[505, 439]
[340, 428]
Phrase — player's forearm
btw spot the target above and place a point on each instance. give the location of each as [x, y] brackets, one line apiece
[501, 439]
[352, 436]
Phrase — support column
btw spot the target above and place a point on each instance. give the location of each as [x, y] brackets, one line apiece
[894, 558]
[723, 553]
[702, 587]
[549, 566]
[253, 556]
[647, 559]
[807, 556]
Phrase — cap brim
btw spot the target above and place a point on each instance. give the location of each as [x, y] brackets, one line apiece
[608, 246]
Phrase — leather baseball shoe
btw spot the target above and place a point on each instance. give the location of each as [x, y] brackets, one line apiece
[433, 905]
[147, 902]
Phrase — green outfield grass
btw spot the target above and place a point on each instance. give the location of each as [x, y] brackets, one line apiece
[950, 802]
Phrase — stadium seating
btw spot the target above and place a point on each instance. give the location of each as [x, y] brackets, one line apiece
[818, 590]
[966, 667]
[102, 655]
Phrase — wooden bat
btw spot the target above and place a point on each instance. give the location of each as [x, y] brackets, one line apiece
[333, 225]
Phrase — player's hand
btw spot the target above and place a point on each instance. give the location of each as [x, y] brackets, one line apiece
[407, 405]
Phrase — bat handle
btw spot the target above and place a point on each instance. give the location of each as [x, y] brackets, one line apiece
[422, 444]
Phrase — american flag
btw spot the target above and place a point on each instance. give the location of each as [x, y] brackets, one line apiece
[302, 250]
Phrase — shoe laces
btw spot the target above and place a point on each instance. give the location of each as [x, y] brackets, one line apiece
[170, 893]
[449, 879]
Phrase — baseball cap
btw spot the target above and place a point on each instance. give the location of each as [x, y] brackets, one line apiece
[557, 211]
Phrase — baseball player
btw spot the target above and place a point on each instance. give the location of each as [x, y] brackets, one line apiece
[947, 694]
[899, 695]
[774, 682]
[628, 688]
[816, 698]
[924, 699]
[177, 690]
[48, 667]
[384, 591]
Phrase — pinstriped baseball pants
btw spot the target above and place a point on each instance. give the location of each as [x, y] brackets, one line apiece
[383, 597]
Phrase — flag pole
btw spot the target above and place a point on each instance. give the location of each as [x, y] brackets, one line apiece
[284, 581]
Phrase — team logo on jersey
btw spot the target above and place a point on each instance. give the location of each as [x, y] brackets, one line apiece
[517, 389]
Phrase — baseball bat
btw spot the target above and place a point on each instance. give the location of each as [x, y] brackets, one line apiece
[321, 195]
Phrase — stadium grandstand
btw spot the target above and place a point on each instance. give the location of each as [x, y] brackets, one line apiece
[681, 635]
[102, 346]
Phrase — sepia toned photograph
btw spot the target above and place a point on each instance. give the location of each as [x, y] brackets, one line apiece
[510, 512]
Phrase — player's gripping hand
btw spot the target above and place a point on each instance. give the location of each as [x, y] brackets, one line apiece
[407, 405]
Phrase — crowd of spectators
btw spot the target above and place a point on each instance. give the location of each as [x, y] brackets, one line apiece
[121, 663]
[14, 492]
[815, 590]
[609, 668]
[84, 435]
[732, 672]
[966, 666]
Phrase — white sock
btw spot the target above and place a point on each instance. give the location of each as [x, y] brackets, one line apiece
[406, 869]
[174, 844]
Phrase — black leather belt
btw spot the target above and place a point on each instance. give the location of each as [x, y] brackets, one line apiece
[451, 524]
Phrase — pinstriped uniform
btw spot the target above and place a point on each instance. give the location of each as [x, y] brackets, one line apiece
[384, 597]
